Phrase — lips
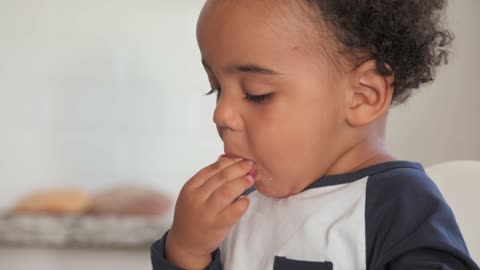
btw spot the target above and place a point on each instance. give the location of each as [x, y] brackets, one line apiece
[253, 172]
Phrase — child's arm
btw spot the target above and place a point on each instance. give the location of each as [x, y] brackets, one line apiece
[410, 226]
[206, 210]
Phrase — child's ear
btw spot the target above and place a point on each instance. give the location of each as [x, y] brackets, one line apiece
[370, 94]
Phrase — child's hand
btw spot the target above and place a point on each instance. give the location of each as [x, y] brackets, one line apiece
[206, 210]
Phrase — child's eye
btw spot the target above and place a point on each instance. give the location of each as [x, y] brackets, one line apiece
[248, 97]
[259, 98]
[213, 91]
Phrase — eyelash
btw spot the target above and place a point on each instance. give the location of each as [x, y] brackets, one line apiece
[252, 98]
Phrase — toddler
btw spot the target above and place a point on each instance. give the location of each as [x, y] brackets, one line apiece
[303, 90]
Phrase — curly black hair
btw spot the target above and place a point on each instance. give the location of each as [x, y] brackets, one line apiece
[406, 38]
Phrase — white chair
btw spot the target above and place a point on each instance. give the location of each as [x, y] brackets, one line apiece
[459, 182]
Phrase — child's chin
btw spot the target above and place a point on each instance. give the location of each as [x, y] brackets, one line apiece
[268, 190]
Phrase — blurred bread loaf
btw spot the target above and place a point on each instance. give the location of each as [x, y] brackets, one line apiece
[56, 202]
[130, 200]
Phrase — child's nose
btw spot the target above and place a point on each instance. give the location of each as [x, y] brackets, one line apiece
[227, 115]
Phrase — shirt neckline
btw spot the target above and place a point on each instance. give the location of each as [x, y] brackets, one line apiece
[339, 179]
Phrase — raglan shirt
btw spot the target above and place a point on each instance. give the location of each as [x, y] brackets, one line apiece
[387, 216]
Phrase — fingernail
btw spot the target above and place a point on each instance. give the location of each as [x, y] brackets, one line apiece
[238, 159]
[239, 197]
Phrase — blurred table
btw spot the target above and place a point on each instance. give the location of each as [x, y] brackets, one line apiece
[19, 258]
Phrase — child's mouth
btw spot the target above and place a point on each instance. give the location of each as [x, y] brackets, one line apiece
[253, 172]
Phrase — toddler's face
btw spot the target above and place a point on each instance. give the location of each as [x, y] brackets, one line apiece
[280, 102]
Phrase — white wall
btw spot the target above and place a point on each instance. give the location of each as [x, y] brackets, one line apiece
[95, 92]
[441, 122]
[98, 92]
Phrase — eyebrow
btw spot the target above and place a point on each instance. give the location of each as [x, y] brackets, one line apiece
[249, 68]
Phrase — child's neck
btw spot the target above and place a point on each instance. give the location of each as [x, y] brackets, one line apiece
[365, 153]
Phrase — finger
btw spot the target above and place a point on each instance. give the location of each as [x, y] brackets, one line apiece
[234, 171]
[232, 213]
[204, 174]
[229, 192]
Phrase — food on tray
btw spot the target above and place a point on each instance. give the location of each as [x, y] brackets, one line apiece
[131, 200]
[55, 201]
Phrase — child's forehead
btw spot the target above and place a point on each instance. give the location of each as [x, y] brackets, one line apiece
[228, 10]
[281, 23]
[279, 15]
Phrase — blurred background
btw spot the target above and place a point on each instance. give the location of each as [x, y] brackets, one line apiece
[97, 93]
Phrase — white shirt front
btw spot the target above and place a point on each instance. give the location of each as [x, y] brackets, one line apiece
[318, 225]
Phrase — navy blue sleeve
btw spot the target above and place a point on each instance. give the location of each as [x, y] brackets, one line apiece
[410, 226]
[157, 252]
